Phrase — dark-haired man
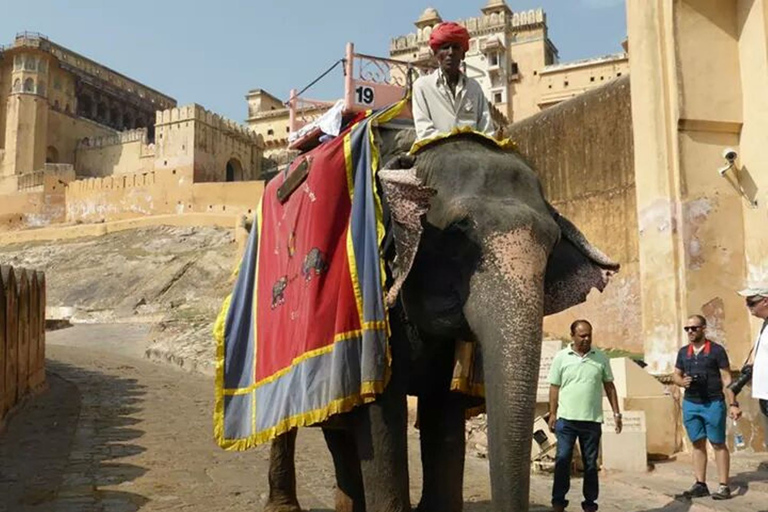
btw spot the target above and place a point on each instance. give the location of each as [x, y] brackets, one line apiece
[702, 368]
[448, 98]
[757, 303]
[577, 378]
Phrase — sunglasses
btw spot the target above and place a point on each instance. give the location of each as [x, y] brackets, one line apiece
[691, 328]
[754, 301]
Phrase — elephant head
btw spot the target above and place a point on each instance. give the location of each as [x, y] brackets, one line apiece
[493, 259]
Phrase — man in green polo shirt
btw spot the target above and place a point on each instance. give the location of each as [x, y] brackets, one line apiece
[577, 378]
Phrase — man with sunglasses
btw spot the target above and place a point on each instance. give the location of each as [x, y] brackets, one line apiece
[757, 303]
[702, 368]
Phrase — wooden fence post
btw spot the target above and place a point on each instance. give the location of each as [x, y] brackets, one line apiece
[41, 325]
[22, 279]
[3, 357]
[11, 336]
[34, 334]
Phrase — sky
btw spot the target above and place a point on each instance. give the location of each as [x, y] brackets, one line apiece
[212, 53]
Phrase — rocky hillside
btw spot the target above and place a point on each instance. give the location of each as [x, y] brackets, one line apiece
[174, 278]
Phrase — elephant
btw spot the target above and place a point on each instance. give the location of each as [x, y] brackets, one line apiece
[493, 259]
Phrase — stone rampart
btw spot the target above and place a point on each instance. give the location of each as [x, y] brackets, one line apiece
[160, 192]
[195, 112]
[22, 335]
[583, 151]
[137, 135]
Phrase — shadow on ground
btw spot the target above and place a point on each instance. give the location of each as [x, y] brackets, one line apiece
[63, 447]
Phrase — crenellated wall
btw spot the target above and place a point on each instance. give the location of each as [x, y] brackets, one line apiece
[583, 152]
[22, 335]
[39, 199]
[132, 195]
[213, 147]
[117, 153]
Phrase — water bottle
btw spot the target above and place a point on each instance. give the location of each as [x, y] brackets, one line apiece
[738, 437]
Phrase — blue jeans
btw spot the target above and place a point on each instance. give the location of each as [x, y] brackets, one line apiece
[588, 433]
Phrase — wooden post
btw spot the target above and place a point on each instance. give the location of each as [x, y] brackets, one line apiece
[41, 325]
[3, 357]
[11, 336]
[22, 279]
[34, 333]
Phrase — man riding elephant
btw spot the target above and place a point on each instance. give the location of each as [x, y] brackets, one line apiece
[448, 98]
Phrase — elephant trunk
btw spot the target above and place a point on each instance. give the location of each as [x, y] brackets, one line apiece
[505, 309]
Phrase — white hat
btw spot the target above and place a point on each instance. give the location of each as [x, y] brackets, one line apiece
[754, 290]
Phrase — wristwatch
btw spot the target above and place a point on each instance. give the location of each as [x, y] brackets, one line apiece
[617, 415]
[735, 404]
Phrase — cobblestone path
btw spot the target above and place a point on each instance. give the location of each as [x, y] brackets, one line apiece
[117, 433]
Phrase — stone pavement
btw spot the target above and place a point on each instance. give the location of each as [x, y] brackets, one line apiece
[117, 433]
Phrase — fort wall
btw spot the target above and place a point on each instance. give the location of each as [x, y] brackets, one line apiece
[213, 147]
[116, 153]
[22, 336]
[584, 153]
[162, 192]
[40, 199]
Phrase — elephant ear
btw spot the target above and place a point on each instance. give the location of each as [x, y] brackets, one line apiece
[408, 201]
[574, 268]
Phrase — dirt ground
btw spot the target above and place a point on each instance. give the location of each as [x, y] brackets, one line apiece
[118, 433]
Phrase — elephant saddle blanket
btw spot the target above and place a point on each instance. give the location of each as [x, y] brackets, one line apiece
[304, 334]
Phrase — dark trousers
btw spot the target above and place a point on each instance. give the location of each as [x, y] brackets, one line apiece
[764, 410]
[588, 433]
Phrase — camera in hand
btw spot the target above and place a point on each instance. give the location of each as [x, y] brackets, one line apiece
[744, 378]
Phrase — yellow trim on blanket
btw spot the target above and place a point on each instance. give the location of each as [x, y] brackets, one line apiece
[337, 406]
[419, 144]
[259, 218]
[370, 326]
[351, 264]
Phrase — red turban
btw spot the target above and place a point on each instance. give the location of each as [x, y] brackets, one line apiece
[449, 32]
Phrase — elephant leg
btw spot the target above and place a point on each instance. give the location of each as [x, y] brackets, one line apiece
[441, 425]
[282, 474]
[380, 432]
[350, 495]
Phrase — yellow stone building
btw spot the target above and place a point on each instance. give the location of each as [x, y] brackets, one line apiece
[510, 54]
[65, 118]
[699, 76]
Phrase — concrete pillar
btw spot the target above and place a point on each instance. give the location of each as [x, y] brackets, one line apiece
[696, 226]
[654, 115]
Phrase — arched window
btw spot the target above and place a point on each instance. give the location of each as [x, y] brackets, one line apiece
[116, 118]
[29, 63]
[234, 171]
[41, 88]
[17, 85]
[42, 65]
[18, 62]
[85, 106]
[29, 85]
[51, 155]
[101, 112]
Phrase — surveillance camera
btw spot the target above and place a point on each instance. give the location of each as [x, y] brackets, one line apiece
[730, 155]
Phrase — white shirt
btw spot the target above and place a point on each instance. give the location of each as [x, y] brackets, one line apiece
[760, 367]
[436, 110]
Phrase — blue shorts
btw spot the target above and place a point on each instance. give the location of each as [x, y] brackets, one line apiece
[705, 420]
